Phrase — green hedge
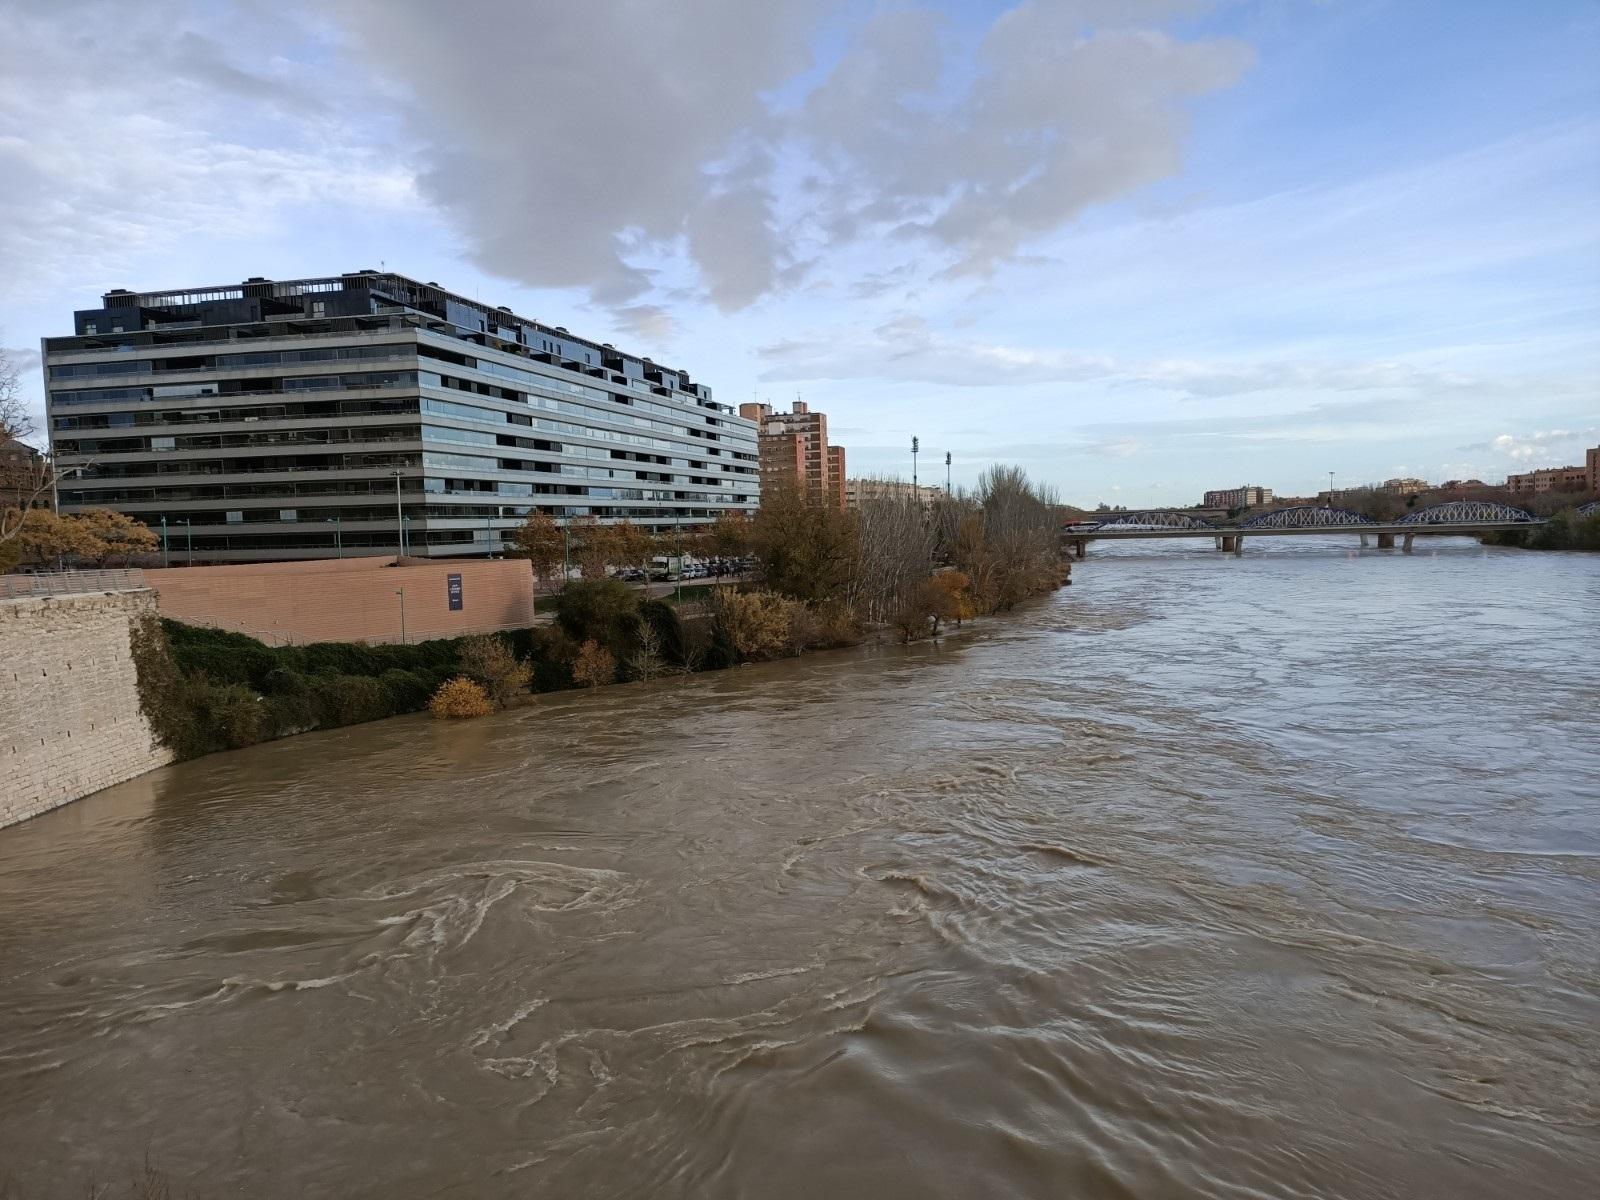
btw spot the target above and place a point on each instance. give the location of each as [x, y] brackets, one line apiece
[205, 690]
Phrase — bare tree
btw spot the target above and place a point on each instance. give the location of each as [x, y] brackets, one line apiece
[27, 479]
[897, 548]
[647, 661]
[15, 420]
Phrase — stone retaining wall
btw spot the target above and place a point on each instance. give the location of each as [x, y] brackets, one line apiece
[69, 706]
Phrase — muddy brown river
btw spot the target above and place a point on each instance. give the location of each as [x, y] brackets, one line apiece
[1265, 877]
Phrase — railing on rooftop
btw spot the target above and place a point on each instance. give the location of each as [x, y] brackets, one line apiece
[66, 583]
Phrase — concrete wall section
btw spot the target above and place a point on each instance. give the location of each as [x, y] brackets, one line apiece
[350, 600]
[69, 706]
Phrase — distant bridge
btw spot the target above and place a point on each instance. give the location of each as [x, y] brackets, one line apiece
[1453, 519]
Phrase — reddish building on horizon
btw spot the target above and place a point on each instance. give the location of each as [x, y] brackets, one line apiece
[794, 452]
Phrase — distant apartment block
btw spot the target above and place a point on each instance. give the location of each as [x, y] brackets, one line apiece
[858, 491]
[795, 452]
[22, 471]
[1559, 479]
[1239, 497]
[1345, 495]
[288, 420]
[1406, 487]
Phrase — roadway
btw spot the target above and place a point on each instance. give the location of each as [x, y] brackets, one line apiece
[1075, 541]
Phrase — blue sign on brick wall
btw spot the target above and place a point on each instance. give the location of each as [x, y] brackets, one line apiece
[453, 589]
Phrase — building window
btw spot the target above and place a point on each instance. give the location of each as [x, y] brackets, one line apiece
[288, 514]
[235, 517]
[163, 443]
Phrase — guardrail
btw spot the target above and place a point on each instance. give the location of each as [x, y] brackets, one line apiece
[65, 583]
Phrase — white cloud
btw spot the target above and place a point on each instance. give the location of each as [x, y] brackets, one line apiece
[122, 138]
[908, 348]
[642, 141]
[1543, 447]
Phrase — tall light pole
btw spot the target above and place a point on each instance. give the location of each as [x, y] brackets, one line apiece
[399, 525]
[338, 538]
[566, 551]
[405, 536]
[188, 539]
[401, 592]
[947, 474]
[165, 559]
[1330, 489]
[916, 445]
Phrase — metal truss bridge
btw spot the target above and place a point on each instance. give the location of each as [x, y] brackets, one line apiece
[1455, 518]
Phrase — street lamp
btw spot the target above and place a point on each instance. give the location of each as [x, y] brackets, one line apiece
[338, 538]
[915, 446]
[188, 540]
[399, 525]
[401, 592]
[405, 536]
[947, 474]
[165, 558]
[566, 551]
[1330, 489]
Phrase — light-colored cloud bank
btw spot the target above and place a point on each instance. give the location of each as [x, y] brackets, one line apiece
[1142, 244]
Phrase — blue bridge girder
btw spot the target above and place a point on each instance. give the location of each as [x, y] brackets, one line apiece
[1306, 516]
[1154, 519]
[1465, 512]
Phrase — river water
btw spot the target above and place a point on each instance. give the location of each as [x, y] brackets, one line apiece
[1206, 877]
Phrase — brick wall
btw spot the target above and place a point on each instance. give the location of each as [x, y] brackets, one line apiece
[69, 708]
[348, 600]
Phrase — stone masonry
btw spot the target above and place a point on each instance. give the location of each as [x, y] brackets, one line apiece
[69, 709]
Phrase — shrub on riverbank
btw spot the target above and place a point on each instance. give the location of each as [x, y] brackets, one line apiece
[460, 699]
[595, 665]
[205, 690]
[496, 669]
[1564, 530]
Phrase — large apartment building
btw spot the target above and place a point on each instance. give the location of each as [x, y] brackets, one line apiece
[862, 491]
[1239, 497]
[795, 452]
[1558, 479]
[348, 414]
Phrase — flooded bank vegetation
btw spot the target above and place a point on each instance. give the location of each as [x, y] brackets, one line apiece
[823, 578]
[1564, 529]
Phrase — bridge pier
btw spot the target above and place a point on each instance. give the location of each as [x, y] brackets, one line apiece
[1363, 539]
[1406, 545]
[1386, 541]
[1238, 545]
[1230, 543]
[1218, 542]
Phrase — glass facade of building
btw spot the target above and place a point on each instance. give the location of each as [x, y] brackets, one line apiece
[302, 419]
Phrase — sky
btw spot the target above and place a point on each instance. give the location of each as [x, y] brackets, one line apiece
[1140, 247]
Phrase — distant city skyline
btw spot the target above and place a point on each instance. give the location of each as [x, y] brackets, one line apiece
[1170, 246]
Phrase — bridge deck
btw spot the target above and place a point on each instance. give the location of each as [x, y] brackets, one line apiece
[1460, 530]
